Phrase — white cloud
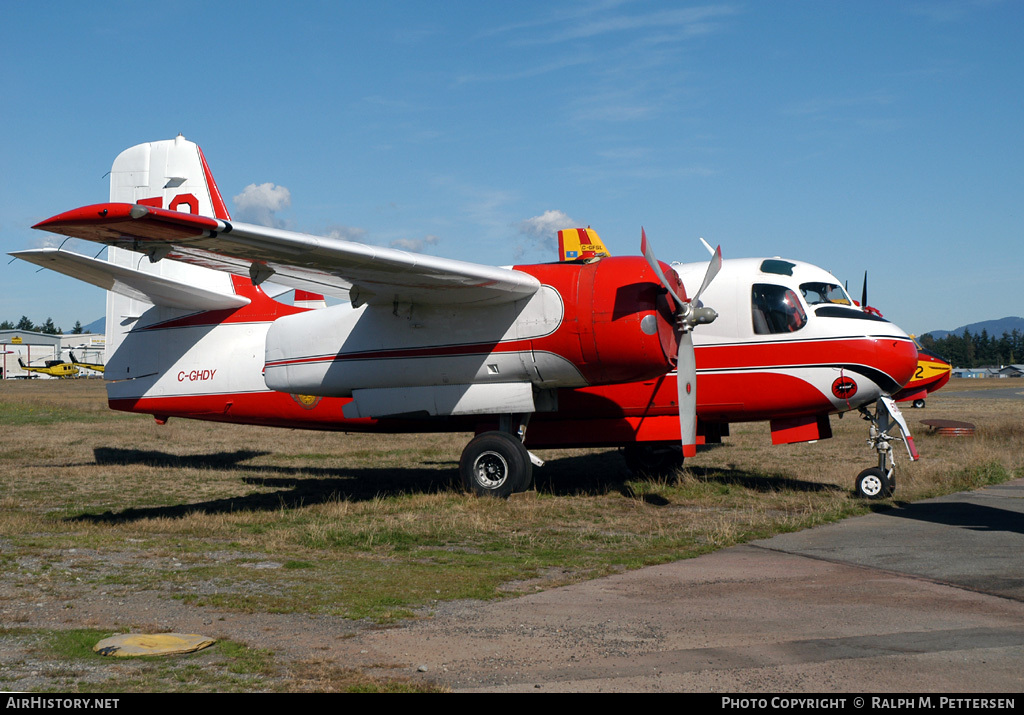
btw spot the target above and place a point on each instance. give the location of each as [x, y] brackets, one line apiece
[547, 225]
[543, 231]
[257, 204]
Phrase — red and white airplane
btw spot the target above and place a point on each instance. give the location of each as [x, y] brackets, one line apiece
[581, 352]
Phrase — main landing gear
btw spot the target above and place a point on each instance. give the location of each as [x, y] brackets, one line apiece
[496, 463]
[880, 482]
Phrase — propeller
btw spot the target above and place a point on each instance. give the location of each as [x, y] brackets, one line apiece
[689, 314]
[864, 299]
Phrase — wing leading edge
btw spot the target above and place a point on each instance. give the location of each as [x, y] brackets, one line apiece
[139, 285]
[343, 269]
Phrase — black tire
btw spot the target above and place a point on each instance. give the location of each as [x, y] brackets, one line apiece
[495, 464]
[653, 460]
[873, 483]
[918, 403]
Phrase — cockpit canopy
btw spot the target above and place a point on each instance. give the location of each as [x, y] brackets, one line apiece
[819, 292]
[776, 309]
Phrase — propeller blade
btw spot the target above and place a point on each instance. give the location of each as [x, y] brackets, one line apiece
[648, 252]
[864, 292]
[688, 316]
[686, 390]
[714, 266]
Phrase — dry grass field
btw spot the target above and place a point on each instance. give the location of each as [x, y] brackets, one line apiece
[374, 528]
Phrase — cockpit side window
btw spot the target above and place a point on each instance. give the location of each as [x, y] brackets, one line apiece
[817, 293]
[776, 309]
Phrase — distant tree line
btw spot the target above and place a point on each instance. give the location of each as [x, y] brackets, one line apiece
[977, 350]
[46, 327]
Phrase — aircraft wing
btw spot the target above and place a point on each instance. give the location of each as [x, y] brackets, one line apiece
[343, 269]
[132, 283]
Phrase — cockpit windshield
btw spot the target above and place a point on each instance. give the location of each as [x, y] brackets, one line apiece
[818, 293]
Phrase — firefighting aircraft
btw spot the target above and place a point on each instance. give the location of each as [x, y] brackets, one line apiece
[53, 368]
[423, 343]
[790, 347]
[429, 344]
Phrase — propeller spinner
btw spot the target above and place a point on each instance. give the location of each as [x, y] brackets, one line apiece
[688, 314]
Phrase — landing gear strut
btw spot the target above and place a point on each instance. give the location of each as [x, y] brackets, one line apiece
[880, 482]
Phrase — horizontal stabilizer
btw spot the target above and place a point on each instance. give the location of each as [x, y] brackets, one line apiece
[139, 285]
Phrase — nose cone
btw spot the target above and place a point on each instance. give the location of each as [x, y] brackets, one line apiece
[897, 357]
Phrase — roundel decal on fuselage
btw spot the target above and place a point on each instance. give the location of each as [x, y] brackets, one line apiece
[306, 402]
[844, 388]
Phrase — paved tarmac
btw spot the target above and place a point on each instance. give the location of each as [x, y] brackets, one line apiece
[1007, 393]
[924, 598]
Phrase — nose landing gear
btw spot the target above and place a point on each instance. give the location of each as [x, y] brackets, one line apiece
[880, 482]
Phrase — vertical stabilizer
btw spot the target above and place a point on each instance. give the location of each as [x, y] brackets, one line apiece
[170, 174]
[580, 243]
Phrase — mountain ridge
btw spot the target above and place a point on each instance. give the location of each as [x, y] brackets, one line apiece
[995, 328]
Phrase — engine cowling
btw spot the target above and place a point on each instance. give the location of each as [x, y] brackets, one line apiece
[618, 324]
[589, 324]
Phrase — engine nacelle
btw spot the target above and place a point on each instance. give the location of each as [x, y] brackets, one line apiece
[619, 319]
[607, 321]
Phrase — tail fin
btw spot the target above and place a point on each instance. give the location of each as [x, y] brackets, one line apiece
[171, 174]
[580, 243]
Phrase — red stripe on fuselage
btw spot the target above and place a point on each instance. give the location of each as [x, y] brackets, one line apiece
[891, 355]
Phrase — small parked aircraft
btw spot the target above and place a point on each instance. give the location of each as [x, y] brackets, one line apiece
[933, 371]
[593, 352]
[789, 347]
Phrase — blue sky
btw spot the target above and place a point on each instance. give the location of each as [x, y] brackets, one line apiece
[878, 136]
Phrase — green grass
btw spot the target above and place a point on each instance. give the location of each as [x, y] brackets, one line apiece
[374, 527]
[15, 414]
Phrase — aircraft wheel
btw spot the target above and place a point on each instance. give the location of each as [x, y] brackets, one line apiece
[918, 403]
[653, 461]
[874, 484]
[495, 464]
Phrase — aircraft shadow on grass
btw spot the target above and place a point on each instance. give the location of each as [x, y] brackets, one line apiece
[584, 475]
